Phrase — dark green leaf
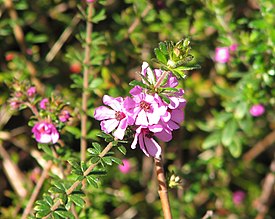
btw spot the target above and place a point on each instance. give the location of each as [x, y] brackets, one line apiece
[138, 83]
[41, 214]
[107, 160]
[95, 159]
[122, 149]
[92, 181]
[163, 48]
[116, 160]
[97, 147]
[59, 185]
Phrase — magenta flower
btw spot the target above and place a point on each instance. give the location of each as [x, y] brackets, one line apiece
[43, 103]
[45, 132]
[257, 110]
[146, 109]
[144, 137]
[125, 167]
[233, 47]
[114, 118]
[31, 91]
[222, 54]
[238, 197]
[90, 1]
[64, 116]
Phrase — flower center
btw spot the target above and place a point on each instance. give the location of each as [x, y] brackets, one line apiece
[144, 105]
[119, 116]
[148, 133]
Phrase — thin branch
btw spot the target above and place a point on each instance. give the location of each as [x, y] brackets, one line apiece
[163, 192]
[85, 94]
[260, 147]
[37, 189]
[62, 39]
[13, 173]
[77, 183]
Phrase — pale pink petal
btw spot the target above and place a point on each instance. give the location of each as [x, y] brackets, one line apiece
[109, 125]
[104, 112]
[152, 147]
[120, 131]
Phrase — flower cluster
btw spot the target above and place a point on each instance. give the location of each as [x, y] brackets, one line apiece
[145, 112]
[48, 112]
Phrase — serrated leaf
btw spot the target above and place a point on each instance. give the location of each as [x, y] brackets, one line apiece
[77, 199]
[92, 181]
[122, 149]
[228, 132]
[64, 213]
[211, 141]
[160, 56]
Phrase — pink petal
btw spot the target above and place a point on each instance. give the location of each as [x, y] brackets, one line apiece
[109, 125]
[152, 147]
[103, 112]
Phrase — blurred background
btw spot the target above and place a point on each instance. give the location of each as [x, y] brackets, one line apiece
[221, 160]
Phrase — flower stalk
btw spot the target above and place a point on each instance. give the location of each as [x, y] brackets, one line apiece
[163, 191]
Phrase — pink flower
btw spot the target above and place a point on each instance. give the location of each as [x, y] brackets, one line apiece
[238, 197]
[146, 109]
[233, 47]
[144, 137]
[125, 167]
[45, 132]
[31, 91]
[43, 103]
[90, 1]
[257, 110]
[64, 116]
[114, 118]
[15, 104]
[222, 54]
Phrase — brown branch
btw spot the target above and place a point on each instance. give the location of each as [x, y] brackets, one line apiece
[85, 94]
[62, 39]
[77, 183]
[260, 147]
[262, 204]
[163, 192]
[37, 189]
[13, 173]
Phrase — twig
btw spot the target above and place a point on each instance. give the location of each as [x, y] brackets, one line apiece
[77, 183]
[13, 173]
[260, 147]
[137, 20]
[62, 39]
[262, 204]
[85, 94]
[208, 214]
[37, 189]
[163, 192]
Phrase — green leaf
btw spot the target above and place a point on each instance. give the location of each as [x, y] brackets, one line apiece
[116, 160]
[55, 190]
[97, 147]
[99, 16]
[241, 110]
[122, 149]
[95, 159]
[97, 82]
[160, 56]
[73, 130]
[163, 48]
[59, 185]
[92, 181]
[228, 132]
[138, 83]
[62, 212]
[235, 147]
[107, 160]
[211, 141]
[46, 148]
[42, 207]
[77, 199]
[41, 214]
[83, 166]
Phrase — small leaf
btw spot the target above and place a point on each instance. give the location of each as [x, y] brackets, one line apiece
[138, 83]
[235, 147]
[59, 185]
[83, 166]
[97, 147]
[107, 160]
[92, 181]
[95, 159]
[116, 160]
[211, 141]
[41, 214]
[160, 56]
[43, 207]
[228, 132]
[77, 199]
[122, 149]
[64, 213]
[74, 130]
[163, 48]
[55, 190]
